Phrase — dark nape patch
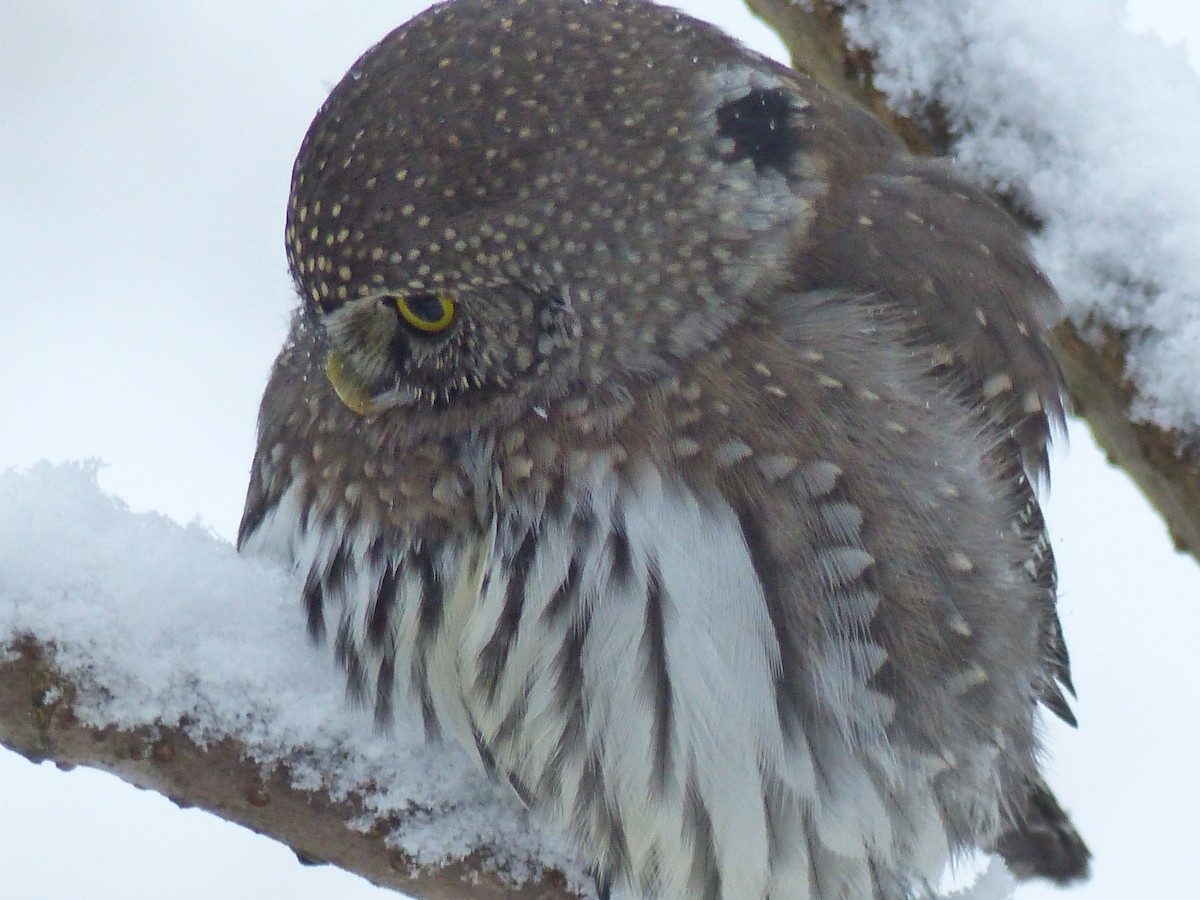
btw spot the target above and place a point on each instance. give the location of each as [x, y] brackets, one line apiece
[760, 126]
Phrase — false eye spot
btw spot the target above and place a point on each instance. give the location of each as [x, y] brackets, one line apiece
[427, 313]
[760, 124]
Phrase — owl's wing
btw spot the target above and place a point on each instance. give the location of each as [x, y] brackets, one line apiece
[945, 517]
[956, 270]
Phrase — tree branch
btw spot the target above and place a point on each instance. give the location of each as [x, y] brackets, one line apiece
[38, 721]
[1164, 463]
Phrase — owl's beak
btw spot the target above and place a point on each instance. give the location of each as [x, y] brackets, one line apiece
[350, 387]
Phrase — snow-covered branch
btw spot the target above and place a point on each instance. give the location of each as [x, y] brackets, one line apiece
[1090, 134]
[152, 651]
[37, 721]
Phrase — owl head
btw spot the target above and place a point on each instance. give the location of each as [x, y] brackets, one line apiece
[482, 220]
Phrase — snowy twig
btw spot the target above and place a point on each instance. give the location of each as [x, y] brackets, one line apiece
[37, 720]
[134, 645]
[1160, 452]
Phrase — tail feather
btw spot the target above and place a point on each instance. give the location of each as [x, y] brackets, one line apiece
[1043, 843]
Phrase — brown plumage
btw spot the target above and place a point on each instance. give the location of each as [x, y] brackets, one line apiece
[656, 427]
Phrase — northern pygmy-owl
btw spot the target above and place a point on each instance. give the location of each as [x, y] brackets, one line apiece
[665, 433]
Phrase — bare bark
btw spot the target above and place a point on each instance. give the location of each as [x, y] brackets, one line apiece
[37, 720]
[1164, 463]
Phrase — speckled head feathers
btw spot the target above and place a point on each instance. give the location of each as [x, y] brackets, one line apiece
[640, 154]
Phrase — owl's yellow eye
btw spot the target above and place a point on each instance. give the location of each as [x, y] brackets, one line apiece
[429, 313]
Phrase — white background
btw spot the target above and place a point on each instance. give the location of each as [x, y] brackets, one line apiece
[145, 150]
